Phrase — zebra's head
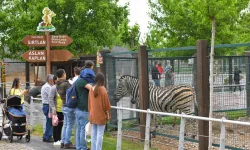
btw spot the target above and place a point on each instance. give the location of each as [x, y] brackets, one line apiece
[122, 89]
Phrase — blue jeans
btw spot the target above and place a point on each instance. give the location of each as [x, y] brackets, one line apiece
[97, 136]
[68, 124]
[49, 129]
[157, 82]
[81, 121]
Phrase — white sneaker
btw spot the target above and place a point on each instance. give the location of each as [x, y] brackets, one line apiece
[58, 143]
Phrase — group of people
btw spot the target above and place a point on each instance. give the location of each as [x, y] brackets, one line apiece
[92, 106]
[158, 72]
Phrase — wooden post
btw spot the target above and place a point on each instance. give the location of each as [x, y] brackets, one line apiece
[143, 87]
[247, 54]
[203, 93]
[27, 72]
[48, 67]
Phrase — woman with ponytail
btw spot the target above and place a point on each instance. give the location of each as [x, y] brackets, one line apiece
[99, 110]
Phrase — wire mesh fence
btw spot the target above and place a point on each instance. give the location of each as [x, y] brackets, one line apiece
[227, 102]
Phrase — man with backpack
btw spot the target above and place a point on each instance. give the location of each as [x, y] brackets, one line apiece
[83, 84]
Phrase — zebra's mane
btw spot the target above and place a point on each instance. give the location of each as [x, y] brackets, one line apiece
[124, 76]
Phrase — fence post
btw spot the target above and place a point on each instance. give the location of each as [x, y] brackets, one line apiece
[31, 113]
[222, 134]
[230, 72]
[119, 132]
[27, 74]
[181, 136]
[203, 93]
[147, 134]
[143, 86]
[247, 61]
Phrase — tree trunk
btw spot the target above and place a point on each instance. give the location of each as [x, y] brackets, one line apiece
[211, 83]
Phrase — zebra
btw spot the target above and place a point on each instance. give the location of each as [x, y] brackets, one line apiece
[172, 99]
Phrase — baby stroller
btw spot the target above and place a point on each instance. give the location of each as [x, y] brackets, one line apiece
[14, 119]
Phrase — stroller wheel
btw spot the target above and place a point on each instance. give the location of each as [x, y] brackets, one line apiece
[1, 134]
[27, 137]
[19, 137]
[11, 137]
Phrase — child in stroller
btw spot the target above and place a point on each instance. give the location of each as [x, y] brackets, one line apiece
[14, 119]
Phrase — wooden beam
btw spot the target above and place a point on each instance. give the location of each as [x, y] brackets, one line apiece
[143, 87]
[203, 93]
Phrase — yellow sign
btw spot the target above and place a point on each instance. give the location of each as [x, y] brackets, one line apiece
[46, 24]
[3, 79]
[99, 59]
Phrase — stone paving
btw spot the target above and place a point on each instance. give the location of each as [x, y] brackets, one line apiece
[34, 144]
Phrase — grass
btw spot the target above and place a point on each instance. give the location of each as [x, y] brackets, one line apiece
[109, 142]
[232, 115]
[170, 120]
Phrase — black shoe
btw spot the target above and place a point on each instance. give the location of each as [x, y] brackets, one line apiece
[49, 140]
[62, 145]
[69, 146]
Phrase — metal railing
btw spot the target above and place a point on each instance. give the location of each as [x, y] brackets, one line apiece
[183, 117]
[148, 112]
[32, 118]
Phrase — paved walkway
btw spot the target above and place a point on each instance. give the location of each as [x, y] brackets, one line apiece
[34, 144]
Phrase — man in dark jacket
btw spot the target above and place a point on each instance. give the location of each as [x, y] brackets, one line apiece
[237, 78]
[155, 74]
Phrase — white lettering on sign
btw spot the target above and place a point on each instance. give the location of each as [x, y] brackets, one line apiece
[36, 53]
[36, 42]
[59, 39]
[37, 37]
[37, 58]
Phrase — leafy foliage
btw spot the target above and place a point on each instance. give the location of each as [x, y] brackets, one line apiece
[129, 35]
[91, 24]
[178, 23]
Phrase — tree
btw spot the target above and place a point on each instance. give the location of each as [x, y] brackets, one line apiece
[91, 24]
[178, 23]
[128, 36]
[187, 20]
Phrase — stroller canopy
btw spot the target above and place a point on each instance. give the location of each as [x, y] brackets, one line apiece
[13, 100]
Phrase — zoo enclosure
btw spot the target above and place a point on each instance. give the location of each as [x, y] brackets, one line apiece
[188, 71]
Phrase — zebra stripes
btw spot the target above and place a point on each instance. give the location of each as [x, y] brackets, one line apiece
[177, 97]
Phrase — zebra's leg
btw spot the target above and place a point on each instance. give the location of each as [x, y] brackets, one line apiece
[174, 121]
[161, 126]
[190, 121]
[193, 123]
[153, 122]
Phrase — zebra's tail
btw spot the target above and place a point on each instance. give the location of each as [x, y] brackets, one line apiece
[195, 104]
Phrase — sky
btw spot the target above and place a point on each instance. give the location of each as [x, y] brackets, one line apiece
[138, 14]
